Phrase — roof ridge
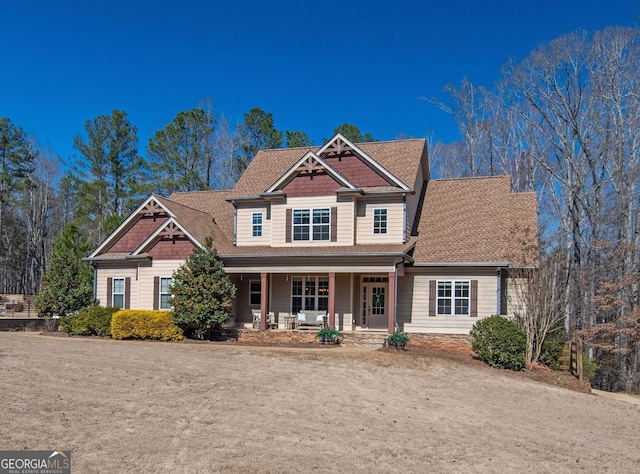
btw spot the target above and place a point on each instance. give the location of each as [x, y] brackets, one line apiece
[499, 176]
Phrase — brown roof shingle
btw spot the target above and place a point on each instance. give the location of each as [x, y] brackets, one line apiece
[477, 220]
[401, 158]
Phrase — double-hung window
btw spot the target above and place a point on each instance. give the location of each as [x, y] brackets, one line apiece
[321, 220]
[301, 224]
[255, 287]
[379, 221]
[311, 224]
[165, 292]
[453, 297]
[117, 298]
[257, 224]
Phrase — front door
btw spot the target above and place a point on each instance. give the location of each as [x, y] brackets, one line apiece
[374, 302]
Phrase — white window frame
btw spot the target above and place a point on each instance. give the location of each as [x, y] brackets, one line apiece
[454, 297]
[114, 293]
[307, 222]
[252, 293]
[380, 225]
[164, 293]
[256, 227]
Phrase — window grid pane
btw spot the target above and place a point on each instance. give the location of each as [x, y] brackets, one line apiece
[257, 224]
[453, 296]
[379, 221]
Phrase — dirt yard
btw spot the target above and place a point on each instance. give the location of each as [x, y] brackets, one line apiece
[123, 407]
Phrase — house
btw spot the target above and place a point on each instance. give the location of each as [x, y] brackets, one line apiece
[357, 230]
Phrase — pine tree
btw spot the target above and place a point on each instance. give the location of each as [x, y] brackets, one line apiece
[67, 285]
[202, 293]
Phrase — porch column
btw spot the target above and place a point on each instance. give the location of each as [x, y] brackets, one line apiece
[391, 315]
[263, 301]
[332, 300]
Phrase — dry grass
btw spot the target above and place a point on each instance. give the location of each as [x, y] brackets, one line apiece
[173, 407]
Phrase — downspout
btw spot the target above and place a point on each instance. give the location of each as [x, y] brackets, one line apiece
[499, 295]
[235, 223]
[395, 296]
[404, 218]
[95, 283]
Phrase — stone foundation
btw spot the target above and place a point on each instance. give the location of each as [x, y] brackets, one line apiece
[281, 338]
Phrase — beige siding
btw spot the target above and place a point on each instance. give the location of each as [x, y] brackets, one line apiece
[345, 221]
[364, 222]
[160, 268]
[413, 300]
[244, 226]
[102, 274]
[413, 200]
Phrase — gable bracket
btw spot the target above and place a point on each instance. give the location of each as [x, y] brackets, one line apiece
[172, 231]
[309, 166]
[152, 209]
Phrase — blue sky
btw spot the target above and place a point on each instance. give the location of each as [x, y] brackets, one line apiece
[313, 64]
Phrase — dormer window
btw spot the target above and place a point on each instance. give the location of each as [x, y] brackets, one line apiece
[379, 221]
[257, 224]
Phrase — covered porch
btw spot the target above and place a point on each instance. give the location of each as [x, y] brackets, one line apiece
[351, 301]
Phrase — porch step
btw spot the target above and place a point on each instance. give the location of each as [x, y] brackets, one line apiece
[364, 339]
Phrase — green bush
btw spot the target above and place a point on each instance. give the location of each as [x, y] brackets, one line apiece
[89, 321]
[589, 368]
[139, 324]
[552, 349]
[397, 340]
[499, 342]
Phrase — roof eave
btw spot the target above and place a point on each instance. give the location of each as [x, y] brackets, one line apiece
[461, 264]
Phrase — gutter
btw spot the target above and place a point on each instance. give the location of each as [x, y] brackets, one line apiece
[463, 264]
[404, 256]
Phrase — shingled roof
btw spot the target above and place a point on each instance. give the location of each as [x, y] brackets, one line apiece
[477, 220]
[398, 157]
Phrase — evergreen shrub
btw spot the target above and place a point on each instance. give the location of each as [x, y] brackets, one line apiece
[140, 324]
[552, 349]
[89, 321]
[499, 342]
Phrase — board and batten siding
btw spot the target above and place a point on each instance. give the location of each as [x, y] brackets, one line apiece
[244, 226]
[364, 222]
[413, 300]
[345, 235]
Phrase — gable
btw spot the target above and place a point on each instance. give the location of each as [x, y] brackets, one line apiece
[136, 228]
[318, 183]
[171, 248]
[356, 170]
[138, 233]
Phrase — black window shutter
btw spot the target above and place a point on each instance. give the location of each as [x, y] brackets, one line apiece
[474, 299]
[288, 224]
[109, 292]
[334, 224]
[127, 293]
[432, 298]
[156, 292]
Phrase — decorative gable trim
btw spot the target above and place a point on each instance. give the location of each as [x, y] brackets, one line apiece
[339, 144]
[309, 164]
[171, 229]
[150, 206]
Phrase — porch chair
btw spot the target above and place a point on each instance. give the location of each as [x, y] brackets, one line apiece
[272, 323]
[256, 318]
